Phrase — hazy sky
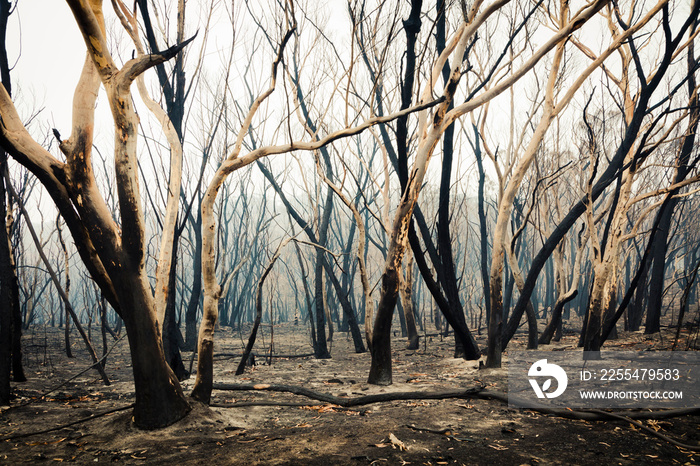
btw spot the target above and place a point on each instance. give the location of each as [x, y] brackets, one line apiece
[48, 60]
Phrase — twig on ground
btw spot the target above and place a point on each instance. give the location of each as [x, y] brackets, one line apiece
[63, 426]
[87, 369]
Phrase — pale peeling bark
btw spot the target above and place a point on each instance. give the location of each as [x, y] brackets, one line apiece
[604, 289]
[159, 399]
[165, 253]
[380, 370]
[53, 175]
[211, 289]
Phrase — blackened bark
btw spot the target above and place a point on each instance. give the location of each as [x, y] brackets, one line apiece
[446, 263]
[159, 397]
[103, 329]
[381, 369]
[346, 282]
[683, 168]
[307, 294]
[348, 312]
[399, 160]
[321, 349]
[635, 313]
[658, 267]
[10, 313]
[554, 324]
[6, 292]
[484, 240]
[459, 326]
[195, 297]
[171, 338]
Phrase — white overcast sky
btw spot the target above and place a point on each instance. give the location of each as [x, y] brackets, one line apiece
[47, 51]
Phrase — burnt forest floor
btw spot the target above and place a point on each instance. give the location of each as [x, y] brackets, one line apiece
[263, 427]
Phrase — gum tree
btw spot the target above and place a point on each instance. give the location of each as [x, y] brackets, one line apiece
[112, 250]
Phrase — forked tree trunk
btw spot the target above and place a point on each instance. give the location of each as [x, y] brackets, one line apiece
[380, 372]
[159, 397]
[113, 255]
[555, 321]
[596, 306]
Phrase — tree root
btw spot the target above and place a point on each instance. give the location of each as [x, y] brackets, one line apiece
[352, 402]
[479, 393]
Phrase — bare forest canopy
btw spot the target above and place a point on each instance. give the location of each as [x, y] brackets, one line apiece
[389, 170]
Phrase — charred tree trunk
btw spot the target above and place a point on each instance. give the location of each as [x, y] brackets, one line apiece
[399, 159]
[683, 169]
[555, 321]
[159, 397]
[195, 296]
[380, 372]
[657, 272]
[446, 265]
[321, 348]
[171, 336]
[10, 313]
[483, 235]
[8, 299]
